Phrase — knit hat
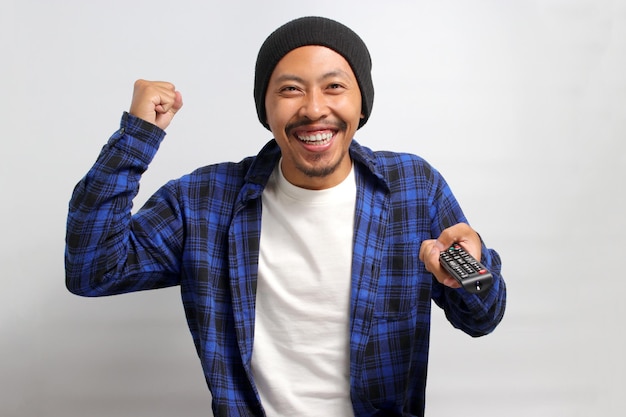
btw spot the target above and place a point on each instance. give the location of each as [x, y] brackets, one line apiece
[314, 31]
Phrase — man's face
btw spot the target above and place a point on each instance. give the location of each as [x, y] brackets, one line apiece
[313, 107]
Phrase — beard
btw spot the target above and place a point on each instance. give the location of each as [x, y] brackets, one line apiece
[320, 171]
[316, 170]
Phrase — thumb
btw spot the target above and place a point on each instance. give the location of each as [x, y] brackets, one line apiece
[166, 112]
[437, 248]
[169, 106]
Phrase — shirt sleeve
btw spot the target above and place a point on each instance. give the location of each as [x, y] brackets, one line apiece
[475, 314]
[109, 250]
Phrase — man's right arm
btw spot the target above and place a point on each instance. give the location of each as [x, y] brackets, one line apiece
[108, 250]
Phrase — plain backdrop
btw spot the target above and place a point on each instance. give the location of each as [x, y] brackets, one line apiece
[520, 104]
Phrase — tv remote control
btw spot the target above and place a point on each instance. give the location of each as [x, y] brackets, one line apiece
[469, 272]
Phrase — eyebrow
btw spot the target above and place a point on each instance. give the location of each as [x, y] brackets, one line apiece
[329, 74]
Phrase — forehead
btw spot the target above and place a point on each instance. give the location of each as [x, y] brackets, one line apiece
[313, 60]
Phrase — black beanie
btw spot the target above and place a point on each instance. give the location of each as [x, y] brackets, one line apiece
[314, 31]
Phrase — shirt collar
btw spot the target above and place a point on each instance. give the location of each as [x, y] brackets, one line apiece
[263, 164]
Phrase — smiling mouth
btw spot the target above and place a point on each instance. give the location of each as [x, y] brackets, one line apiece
[318, 138]
[315, 134]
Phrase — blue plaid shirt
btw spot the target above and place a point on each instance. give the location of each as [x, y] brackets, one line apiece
[202, 232]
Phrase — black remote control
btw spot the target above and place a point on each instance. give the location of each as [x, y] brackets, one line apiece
[469, 272]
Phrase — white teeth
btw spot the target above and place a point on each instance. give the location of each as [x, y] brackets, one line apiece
[316, 138]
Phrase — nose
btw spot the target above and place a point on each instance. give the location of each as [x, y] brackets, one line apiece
[314, 105]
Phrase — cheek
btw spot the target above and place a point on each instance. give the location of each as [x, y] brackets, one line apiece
[350, 106]
[278, 113]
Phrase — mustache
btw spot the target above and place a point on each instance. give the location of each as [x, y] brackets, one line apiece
[330, 124]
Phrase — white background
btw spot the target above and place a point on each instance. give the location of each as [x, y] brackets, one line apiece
[520, 104]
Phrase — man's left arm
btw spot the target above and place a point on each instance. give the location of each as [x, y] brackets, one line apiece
[475, 314]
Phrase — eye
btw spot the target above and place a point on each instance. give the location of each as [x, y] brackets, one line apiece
[335, 88]
[289, 90]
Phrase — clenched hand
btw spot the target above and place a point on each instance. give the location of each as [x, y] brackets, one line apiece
[156, 102]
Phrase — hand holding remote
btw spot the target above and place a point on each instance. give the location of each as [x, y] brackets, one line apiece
[468, 272]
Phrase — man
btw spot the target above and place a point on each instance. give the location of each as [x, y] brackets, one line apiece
[307, 271]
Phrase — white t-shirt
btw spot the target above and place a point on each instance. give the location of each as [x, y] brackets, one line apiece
[300, 358]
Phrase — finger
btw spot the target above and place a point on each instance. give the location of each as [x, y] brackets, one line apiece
[451, 282]
[430, 251]
[168, 101]
[163, 99]
[429, 255]
[436, 248]
[425, 248]
[464, 235]
[454, 234]
[178, 101]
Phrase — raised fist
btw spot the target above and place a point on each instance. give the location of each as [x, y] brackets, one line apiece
[156, 102]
